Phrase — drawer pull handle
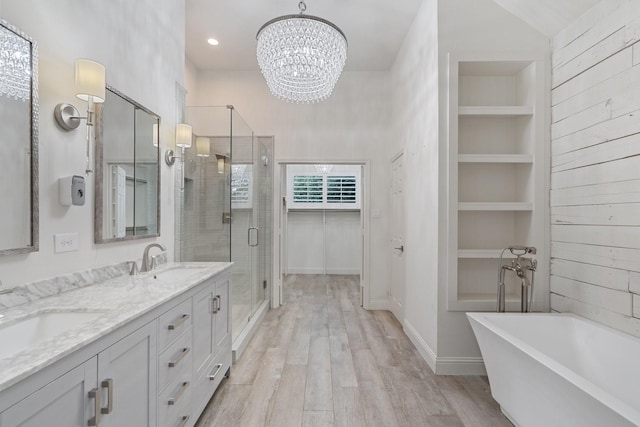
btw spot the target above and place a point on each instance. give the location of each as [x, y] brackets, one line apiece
[95, 395]
[213, 376]
[184, 422]
[108, 384]
[182, 355]
[183, 388]
[217, 304]
[180, 321]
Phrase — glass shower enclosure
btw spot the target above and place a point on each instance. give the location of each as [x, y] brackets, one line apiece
[225, 203]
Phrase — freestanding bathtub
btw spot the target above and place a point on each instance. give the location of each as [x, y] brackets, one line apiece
[552, 369]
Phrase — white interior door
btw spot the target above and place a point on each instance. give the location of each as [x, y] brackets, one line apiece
[397, 237]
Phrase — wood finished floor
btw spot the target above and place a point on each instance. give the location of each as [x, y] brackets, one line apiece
[322, 360]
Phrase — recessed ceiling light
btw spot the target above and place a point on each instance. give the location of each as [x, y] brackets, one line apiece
[213, 42]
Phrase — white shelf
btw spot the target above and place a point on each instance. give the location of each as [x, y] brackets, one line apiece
[495, 111]
[483, 254]
[495, 158]
[495, 206]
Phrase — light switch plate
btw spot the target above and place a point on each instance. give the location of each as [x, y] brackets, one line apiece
[67, 242]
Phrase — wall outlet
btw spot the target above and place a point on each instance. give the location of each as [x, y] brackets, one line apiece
[67, 242]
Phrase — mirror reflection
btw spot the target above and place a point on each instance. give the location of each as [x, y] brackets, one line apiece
[18, 141]
[127, 170]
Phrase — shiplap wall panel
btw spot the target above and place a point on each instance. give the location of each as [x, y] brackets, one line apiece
[605, 256]
[636, 306]
[605, 277]
[610, 35]
[595, 166]
[609, 299]
[600, 173]
[596, 313]
[601, 153]
[584, 23]
[622, 237]
[594, 85]
[598, 194]
[620, 214]
[588, 30]
[616, 128]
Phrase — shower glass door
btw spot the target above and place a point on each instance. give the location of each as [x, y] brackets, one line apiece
[250, 233]
[225, 205]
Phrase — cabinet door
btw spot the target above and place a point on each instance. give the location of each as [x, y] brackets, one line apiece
[127, 374]
[63, 402]
[203, 343]
[222, 321]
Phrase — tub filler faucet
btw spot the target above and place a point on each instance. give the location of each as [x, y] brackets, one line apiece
[522, 267]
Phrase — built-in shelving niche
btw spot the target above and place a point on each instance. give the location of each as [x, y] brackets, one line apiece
[497, 157]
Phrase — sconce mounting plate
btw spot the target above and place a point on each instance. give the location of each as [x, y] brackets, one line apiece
[67, 116]
[169, 157]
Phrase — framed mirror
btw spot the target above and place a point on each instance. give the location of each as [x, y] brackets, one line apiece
[18, 141]
[127, 170]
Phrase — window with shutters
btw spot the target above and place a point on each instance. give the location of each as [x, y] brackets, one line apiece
[323, 186]
[241, 186]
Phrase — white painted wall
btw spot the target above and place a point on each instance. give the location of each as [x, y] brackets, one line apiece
[141, 43]
[468, 26]
[414, 78]
[351, 126]
[420, 100]
[595, 242]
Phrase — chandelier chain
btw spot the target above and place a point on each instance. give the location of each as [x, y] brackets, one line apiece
[302, 6]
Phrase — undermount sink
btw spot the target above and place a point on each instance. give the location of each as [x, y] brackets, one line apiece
[21, 334]
[177, 273]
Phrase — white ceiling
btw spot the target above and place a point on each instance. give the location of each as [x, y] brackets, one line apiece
[375, 29]
[547, 16]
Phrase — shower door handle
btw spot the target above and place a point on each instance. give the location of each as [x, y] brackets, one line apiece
[257, 236]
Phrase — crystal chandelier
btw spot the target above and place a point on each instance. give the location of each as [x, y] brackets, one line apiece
[15, 66]
[301, 56]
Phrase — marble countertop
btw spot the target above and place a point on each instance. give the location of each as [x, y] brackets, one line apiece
[117, 301]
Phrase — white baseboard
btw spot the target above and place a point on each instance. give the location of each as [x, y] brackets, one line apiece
[423, 348]
[460, 366]
[316, 271]
[444, 365]
[378, 304]
[240, 343]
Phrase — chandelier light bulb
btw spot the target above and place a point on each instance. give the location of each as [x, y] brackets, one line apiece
[301, 56]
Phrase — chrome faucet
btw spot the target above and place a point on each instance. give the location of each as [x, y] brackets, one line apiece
[520, 266]
[146, 264]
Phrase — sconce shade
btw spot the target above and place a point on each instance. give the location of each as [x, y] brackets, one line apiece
[203, 146]
[90, 80]
[220, 164]
[183, 135]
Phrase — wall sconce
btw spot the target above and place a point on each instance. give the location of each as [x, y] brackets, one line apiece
[203, 146]
[221, 158]
[184, 135]
[90, 84]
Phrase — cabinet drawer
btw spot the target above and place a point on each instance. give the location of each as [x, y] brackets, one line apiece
[174, 359]
[173, 323]
[174, 403]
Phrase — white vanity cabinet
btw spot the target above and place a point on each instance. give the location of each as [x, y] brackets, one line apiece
[212, 339]
[116, 387]
[159, 368]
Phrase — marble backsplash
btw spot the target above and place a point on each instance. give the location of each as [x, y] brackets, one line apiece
[29, 292]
